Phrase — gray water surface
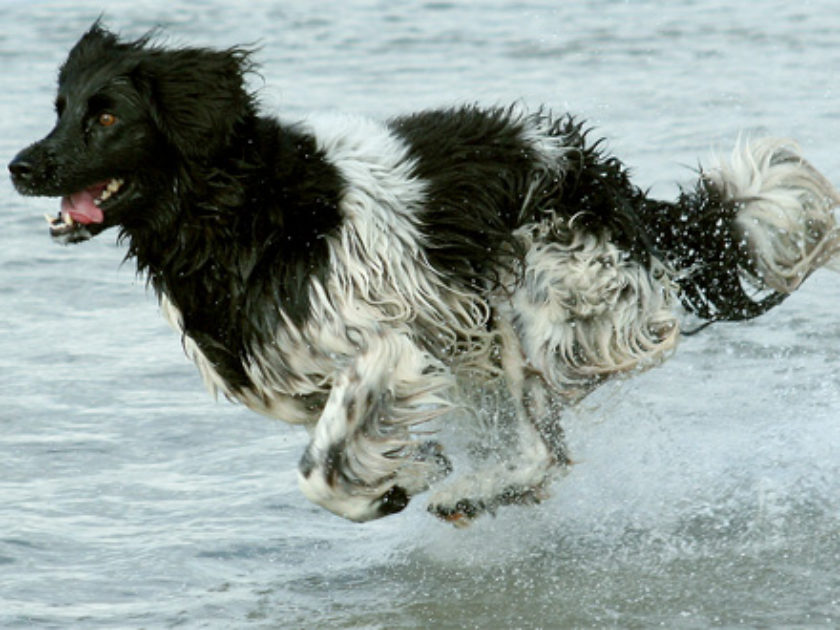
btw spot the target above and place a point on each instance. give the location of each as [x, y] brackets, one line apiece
[707, 491]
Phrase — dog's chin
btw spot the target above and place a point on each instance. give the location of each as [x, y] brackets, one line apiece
[87, 212]
[67, 233]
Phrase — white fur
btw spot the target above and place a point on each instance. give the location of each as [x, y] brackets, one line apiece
[550, 149]
[378, 257]
[787, 209]
[583, 311]
[374, 436]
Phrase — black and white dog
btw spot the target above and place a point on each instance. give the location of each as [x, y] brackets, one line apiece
[363, 279]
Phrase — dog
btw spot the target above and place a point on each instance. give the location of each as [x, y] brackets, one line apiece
[373, 280]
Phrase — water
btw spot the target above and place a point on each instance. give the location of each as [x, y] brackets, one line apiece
[707, 492]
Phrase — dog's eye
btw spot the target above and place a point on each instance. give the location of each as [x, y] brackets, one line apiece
[106, 119]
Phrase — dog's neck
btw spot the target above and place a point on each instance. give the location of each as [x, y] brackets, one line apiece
[216, 236]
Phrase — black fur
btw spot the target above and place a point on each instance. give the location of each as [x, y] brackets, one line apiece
[225, 210]
[478, 169]
[258, 243]
[480, 172]
[697, 235]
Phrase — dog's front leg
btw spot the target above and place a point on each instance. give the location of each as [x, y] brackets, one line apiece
[363, 461]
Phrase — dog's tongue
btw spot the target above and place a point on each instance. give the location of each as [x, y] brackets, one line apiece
[81, 207]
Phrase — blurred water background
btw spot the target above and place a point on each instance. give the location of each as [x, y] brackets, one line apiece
[707, 492]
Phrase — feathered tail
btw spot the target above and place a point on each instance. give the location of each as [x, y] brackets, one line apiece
[750, 232]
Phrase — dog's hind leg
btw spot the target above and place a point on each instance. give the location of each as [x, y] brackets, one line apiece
[364, 460]
[537, 452]
[521, 478]
[579, 313]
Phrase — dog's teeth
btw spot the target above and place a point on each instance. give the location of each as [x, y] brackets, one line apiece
[67, 218]
[49, 219]
[112, 187]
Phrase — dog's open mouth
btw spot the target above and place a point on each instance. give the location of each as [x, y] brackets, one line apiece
[82, 209]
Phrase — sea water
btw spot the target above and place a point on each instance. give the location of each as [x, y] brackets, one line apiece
[706, 492]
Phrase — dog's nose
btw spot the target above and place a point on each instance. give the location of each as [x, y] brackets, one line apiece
[20, 168]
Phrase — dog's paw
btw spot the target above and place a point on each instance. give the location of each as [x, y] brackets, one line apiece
[424, 465]
[394, 500]
[462, 512]
[488, 489]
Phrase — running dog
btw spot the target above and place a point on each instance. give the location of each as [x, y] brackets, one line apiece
[369, 280]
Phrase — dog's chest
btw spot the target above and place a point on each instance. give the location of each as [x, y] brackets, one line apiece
[285, 378]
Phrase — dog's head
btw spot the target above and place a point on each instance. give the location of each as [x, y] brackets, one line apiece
[130, 116]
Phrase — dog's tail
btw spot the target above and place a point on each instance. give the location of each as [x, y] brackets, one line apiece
[750, 232]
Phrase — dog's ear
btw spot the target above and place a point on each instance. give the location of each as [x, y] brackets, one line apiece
[197, 96]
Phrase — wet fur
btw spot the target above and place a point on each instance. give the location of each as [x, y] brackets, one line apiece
[360, 278]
